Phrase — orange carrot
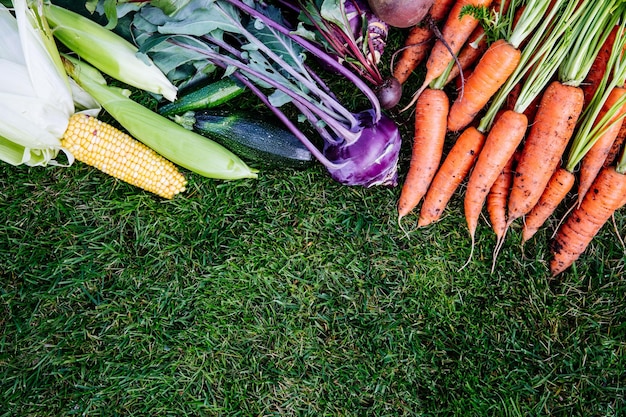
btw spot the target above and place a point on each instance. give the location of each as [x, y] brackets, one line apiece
[599, 67]
[496, 205]
[502, 61]
[594, 159]
[617, 146]
[419, 41]
[532, 108]
[493, 69]
[459, 82]
[416, 46]
[454, 33]
[503, 139]
[471, 53]
[449, 176]
[497, 199]
[561, 182]
[548, 136]
[581, 226]
[440, 9]
[431, 112]
[456, 30]
[513, 96]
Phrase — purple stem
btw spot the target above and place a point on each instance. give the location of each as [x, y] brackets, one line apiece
[226, 61]
[287, 122]
[322, 55]
[308, 82]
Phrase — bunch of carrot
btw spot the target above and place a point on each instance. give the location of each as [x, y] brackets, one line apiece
[549, 88]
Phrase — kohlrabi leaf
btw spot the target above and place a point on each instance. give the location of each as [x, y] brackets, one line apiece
[178, 63]
[289, 51]
[305, 33]
[204, 20]
[333, 11]
[170, 6]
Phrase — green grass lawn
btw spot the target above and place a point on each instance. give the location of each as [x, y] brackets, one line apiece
[292, 295]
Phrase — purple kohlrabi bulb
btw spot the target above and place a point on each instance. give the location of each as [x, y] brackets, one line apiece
[370, 160]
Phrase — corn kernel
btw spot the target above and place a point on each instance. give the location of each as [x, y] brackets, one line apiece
[114, 152]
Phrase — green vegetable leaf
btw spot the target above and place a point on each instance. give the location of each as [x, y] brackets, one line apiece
[170, 6]
[291, 52]
[204, 20]
[110, 12]
[333, 11]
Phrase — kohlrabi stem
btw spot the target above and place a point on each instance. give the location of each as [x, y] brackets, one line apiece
[318, 124]
[301, 76]
[319, 53]
[226, 61]
[224, 45]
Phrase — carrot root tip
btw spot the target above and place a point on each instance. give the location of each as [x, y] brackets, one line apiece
[471, 255]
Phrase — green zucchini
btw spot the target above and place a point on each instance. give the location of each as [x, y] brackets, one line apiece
[206, 97]
[253, 140]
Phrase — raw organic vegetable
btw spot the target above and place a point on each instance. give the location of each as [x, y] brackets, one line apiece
[36, 100]
[510, 125]
[548, 136]
[174, 142]
[449, 176]
[255, 140]
[582, 225]
[401, 13]
[456, 30]
[255, 45]
[419, 40]
[559, 185]
[500, 144]
[588, 131]
[499, 61]
[593, 124]
[608, 190]
[39, 116]
[206, 97]
[599, 67]
[618, 144]
[492, 71]
[558, 112]
[593, 161]
[107, 51]
[115, 153]
[497, 201]
[471, 53]
[431, 112]
[348, 30]
[416, 46]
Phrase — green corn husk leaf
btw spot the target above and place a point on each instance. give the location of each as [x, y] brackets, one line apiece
[107, 51]
[181, 146]
[35, 96]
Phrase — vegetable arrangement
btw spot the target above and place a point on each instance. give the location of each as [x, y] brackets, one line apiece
[539, 103]
[40, 118]
[39, 89]
[539, 52]
[265, 54]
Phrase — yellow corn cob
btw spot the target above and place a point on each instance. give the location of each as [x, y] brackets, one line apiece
[115, 153]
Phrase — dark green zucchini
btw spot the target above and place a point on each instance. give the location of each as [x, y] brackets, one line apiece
[253, 140]
[209, 96]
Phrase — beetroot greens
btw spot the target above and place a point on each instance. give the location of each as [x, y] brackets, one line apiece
[252, 42]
